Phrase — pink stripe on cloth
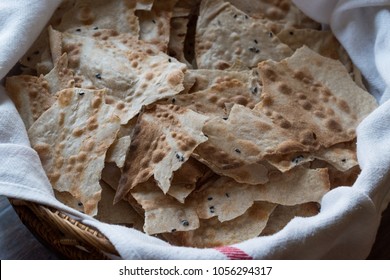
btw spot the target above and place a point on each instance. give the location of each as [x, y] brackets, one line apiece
[233, 253]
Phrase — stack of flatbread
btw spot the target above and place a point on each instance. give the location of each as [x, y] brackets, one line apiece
[204, 123]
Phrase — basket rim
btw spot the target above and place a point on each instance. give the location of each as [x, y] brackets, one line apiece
[65, 235]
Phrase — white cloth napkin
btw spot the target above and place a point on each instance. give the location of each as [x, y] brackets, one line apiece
[349, 218]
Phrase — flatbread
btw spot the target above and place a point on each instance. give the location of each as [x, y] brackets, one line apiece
[34, 55]
[317, 105]
[118, 15]
[237, 147]
[281, 12]
[60, 77]
[135, 73]
[341, 156]
[224, 198]
[320, 41]
[163, 213]
[338, 178]
[118, 150]
[69, 200]
[31, 96]
[164, 139]
[282, 215]
[122, 213]
[219, 90]
[177, 36]
[185, 179]
[227, 199]
[333, 75]
[144, 5]
[111, 174]
[202, 79]
[225, 34]
[38, 57]
[71, 139]
[296, 186]
[213, 233]
[155, 24]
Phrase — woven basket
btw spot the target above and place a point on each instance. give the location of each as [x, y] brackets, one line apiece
[67, 237]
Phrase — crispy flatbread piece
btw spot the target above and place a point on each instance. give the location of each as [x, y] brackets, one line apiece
[118, 150]
[213, 233]
[282, 215]
[135, 73]
[283, 13]
[225, 34]
[218, 90]
[121, 213]
[163, 213]
[31, 96]
[227, 199]
[72, 138]
[164, 139]
[318, 102]
[155, 24]
[118, 15]
[185, 179]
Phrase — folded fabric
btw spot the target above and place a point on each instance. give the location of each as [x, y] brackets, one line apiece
[347, 224]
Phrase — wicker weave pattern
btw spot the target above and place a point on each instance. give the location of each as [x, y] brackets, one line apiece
[66, 236]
